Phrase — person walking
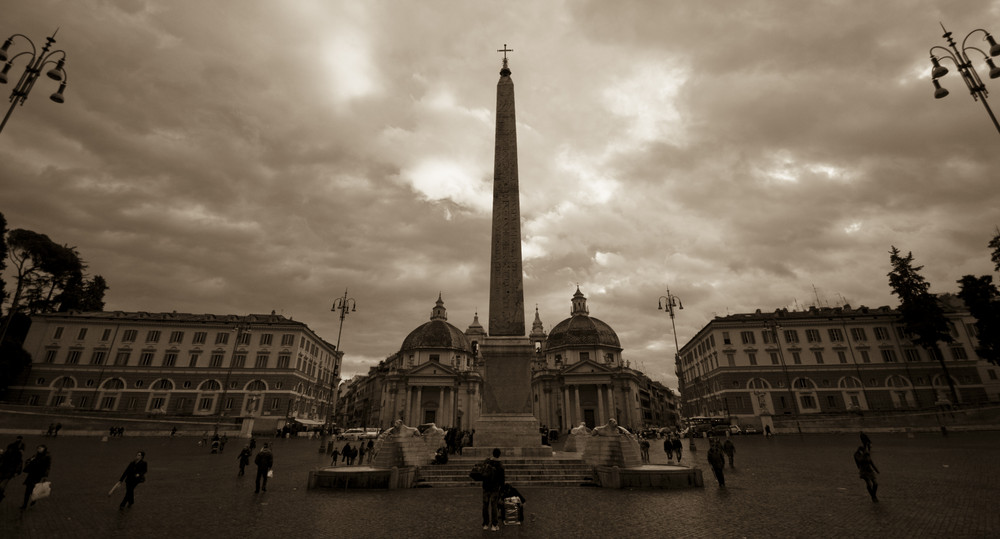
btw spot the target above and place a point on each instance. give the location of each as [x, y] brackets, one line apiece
[244, 458]
[11, 463]
[866, 441]
[371, 451]
[345, 453]
[717, 461]
[678, 447]
[36, 469]
[644, 450]
[134, 474]
[336, 455]
[730, 450]
[668, 447]
[867, 471]
[264, 462]
[361, 453]
[494, 478]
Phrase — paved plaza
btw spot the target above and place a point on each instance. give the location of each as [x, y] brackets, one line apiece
[788, 486]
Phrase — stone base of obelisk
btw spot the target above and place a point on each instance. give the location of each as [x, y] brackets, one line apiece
[507, 421]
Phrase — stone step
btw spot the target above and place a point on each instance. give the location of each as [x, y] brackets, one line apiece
[585, 482]
[510, 476]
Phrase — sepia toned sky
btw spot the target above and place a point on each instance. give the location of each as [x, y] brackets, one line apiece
[235, 157]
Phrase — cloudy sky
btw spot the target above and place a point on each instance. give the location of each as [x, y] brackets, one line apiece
[247, 156]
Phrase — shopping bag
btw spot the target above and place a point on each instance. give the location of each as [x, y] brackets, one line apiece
[41, 490]
[114, 488]
[270, 473]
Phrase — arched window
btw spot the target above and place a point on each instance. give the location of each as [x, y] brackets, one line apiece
[849, 382]
[164, 384]
[897, 381]
[210, 385]
[758, 383]
[257, 385]
[114, 383]
[65, 383]
[803, 383]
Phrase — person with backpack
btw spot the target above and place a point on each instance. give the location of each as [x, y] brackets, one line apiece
[494, 478]
[264, 462]
[867, 470]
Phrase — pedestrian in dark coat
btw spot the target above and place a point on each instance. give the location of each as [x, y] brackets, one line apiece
[867, 471]
[370, 451]
[244, 458]
[37, 469]
[336, 455]
[717, 460]
[492, 483]
[678, 448]
[11, 463]
[361, 453]
[866, 441]
[730, 450]
[264, 462]
[345, 453]
[668, 447]
[134, 474]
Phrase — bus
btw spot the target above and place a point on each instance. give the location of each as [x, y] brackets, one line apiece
[699, 424]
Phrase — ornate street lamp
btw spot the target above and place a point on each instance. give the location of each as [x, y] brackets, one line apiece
[773, 327]
[960, 57]
[669, 302]
[36, 61]
[346, 306]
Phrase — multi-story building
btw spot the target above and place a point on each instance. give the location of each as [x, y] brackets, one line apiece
[260, 366]
[751, 366]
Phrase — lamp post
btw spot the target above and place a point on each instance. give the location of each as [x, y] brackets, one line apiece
[668, 303]
[773, 326]
[36, 61]
[345, 305]
[242, 328]
[960, 57]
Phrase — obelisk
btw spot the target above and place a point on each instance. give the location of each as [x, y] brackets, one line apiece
[506, 420]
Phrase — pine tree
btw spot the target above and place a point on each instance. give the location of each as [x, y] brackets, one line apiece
[921, 314]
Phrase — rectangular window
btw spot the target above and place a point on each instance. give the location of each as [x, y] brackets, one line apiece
[287, 339]
[725, 338]
[108, 403]
[176, 336]
[584, 356]
[972, 331]
[774, 358]
[731, 358]
[106, 335]
[153, 335]
[841, 356]
[74, 357]
[765, 336]
[748, 337]
[796, 358]
[222, 337]
[284, 360]
[265, 339]
[97, 358]
[133, 403]
[239, 360]
[262, 361]
[274, 403]
[82, 402]
[229, 403]
[912, 354]
[819, 356]
[122, 357]
[831, 401]
[129, 335]
[193, 360]
[82, 334]
[753, 358]
[58, 333]
[157, 403]
[792, 336]
[835, 335]
[858, 334]
[808, 401]
[50, 356]
[812, 335]
[993, 374]
[205, 403]
[146, 359]
[958, 353]
[170, 359]
[781, 401]
[888, 355]
[901, 332]
[199, 337]
[864, 357]
[881, 333]
[215, 361]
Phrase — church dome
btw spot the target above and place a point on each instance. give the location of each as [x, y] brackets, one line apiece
[581, 329]
[437, 333]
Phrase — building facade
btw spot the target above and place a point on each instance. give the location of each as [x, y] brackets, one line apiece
[260, 366]
[577, 375]
[749, 367]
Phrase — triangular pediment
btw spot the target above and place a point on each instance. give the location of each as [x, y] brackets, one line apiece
[586, 367]
[429, 368]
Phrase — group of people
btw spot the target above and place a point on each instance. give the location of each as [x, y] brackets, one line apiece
[717, 453]
[117, 432]
[455, 439]
[354, 454]
[53, 429]
[672, 445]
[36, 468]
[264, 462]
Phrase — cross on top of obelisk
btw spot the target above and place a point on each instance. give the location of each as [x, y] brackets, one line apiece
[505, 50]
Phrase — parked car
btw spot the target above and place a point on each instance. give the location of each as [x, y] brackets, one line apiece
[352, 435]
[750, 429]
[735, 429]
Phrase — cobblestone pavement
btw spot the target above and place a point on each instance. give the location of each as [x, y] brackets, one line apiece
[788, 486]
